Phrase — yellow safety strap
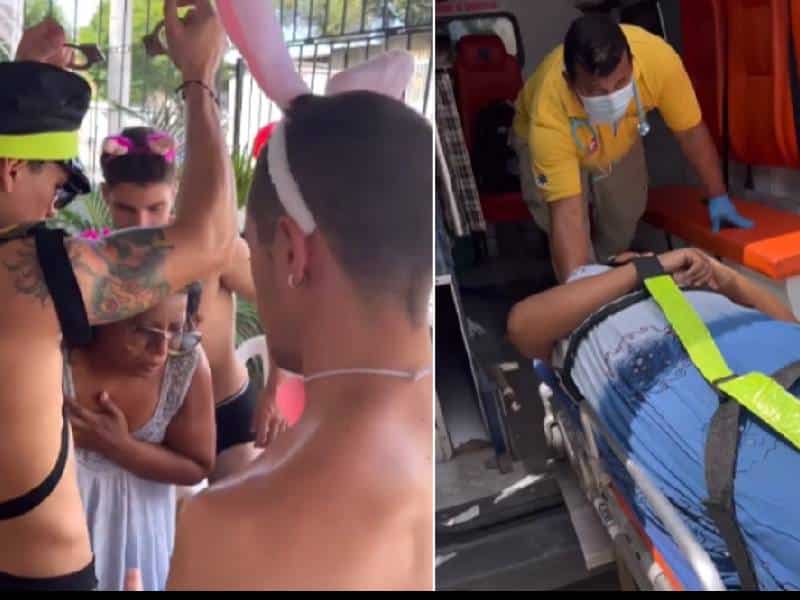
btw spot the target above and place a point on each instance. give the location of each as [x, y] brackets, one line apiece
[59, 145]
[758, 393]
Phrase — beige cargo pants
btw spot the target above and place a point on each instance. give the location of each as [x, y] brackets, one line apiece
[614, 203]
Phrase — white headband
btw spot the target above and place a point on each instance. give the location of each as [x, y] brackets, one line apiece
[285, 183]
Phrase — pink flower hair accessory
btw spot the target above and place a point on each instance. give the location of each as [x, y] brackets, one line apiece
[159, 143]
[94, 234]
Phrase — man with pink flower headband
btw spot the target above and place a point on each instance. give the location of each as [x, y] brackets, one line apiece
[339, 228]
[55, 288]
[139, 172]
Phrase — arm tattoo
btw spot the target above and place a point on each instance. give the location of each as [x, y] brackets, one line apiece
[26, 273]
[132, 277]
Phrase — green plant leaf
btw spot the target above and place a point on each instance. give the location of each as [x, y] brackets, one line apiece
[248, 326]
[243, 171]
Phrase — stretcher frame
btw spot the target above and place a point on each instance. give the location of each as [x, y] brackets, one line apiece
[635, 553]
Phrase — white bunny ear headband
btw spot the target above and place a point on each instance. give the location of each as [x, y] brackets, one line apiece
[285, 183]
[253, 27]
[389, 73]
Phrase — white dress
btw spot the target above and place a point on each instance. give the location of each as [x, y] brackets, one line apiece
[132, 520]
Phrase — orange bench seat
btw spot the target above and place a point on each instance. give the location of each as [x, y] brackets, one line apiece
[771, 248]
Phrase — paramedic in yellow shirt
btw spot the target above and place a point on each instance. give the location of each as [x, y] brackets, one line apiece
[578, 133]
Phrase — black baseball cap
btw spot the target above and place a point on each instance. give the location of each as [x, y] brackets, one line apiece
[41, 111]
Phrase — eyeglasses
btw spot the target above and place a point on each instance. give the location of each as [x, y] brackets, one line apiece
[64, 195]
[179, 343]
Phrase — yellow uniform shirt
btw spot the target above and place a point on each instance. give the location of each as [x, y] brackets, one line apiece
[551, 117]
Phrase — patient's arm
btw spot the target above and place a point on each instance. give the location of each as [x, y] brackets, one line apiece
[743, 291]
[537, 323]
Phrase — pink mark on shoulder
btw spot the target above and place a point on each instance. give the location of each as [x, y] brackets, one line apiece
[291, 400]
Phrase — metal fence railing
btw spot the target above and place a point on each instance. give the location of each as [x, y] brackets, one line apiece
[324, 37]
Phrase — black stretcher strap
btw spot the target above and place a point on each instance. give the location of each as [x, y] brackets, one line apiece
[788, 375]
[722, 449]
[647, 267]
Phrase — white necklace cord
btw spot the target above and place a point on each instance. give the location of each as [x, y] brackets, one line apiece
[413, 376]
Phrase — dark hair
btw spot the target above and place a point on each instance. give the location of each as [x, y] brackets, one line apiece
[363, 164]
[194, 293]
[140, 169]
[596, 43]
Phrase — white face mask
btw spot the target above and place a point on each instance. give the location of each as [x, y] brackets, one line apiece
[611, 108]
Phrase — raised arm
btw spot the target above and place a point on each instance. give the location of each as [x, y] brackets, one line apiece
[134, 269]
[538, 322]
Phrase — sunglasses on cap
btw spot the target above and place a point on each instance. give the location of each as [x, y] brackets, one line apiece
[77, 183]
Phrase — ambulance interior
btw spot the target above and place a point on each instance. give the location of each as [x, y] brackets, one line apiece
[522, 502]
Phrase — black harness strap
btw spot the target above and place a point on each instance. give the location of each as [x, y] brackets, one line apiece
[63, 285]
[16, 507]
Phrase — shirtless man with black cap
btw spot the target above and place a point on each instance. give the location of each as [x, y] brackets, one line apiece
[53, 288]
[339, 227]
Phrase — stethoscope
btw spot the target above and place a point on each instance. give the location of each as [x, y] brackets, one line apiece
[643, 125]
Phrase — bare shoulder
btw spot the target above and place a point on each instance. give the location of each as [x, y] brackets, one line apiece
[239, 258]
[248, 535]
[21, 265]
[205, 541]
[309, 523]
[237, 276]
[241, 250]
[28, 307]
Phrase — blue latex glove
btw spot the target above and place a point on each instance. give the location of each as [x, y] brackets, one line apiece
[723, 212]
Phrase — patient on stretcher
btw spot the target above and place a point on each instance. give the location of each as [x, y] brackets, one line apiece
[636, 374]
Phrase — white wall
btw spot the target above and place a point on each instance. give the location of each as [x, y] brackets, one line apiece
[11, 17]
[542, 23]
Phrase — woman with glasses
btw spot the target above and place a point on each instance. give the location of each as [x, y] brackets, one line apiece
[142, 412]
